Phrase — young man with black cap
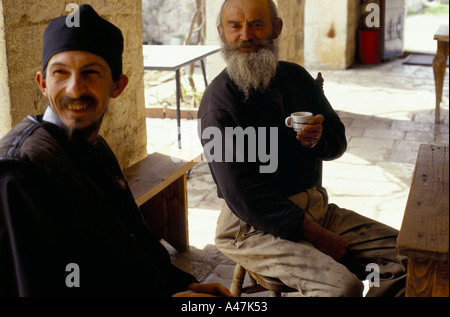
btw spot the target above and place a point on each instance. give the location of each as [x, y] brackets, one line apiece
[69, 225]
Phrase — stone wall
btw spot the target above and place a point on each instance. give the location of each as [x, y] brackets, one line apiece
[353, 23]
[214, 63]
[21, 34]
[166, 20]
[292, 38]
[330, 33]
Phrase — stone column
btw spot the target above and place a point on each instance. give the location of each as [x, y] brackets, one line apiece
[22, 25]
[330, 33]
[292, 37]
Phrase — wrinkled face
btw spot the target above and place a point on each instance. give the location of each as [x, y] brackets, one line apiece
[249, 36]
[246, 22]
[78, 86]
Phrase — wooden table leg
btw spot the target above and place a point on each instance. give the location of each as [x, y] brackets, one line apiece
[426, 278]
[204, 72]
[439, 68]
[178, 93]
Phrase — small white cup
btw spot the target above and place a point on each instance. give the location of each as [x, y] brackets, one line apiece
[298, 120]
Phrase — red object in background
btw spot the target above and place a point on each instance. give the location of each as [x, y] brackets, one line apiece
[368, 47]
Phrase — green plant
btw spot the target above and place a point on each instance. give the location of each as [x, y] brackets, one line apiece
[438, 9]
[433, 10]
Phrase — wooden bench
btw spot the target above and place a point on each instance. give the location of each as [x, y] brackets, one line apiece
[159, 186]
[424, 235]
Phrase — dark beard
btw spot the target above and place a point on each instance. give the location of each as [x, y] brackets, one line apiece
[81, 135]
[252, 71]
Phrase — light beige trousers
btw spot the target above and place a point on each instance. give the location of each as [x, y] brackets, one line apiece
[303, 267]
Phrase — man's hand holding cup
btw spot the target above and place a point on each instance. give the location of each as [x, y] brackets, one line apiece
[308, 127]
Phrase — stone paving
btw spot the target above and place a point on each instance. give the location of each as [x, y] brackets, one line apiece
[388, 111]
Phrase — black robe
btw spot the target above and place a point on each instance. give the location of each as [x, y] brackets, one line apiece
[63, 203]
[260, 199]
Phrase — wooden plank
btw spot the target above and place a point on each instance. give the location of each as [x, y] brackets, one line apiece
[425, 227]
[173, 57]
[155, 214]
[157, 171]
[442, 33]
[177, 230]
[159, 186]
[166, 214]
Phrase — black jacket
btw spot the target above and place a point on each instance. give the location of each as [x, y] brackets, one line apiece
[260, 199]
[63, 203]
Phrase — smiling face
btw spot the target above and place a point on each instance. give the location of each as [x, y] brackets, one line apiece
[78, 86]
[249, 30]
[246, 22]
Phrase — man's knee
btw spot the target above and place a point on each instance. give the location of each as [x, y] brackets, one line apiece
[346, 284]
[352, 288]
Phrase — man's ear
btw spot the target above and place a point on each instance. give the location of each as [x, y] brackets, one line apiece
[277, 28]
[41, 83]
[119, 86]
[221, 33]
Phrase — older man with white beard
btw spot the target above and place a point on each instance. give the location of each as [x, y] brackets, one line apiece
[280, 224]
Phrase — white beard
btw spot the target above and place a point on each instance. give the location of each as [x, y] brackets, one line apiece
[252, 71]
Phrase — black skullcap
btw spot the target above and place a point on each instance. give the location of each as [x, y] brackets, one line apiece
[93, 34]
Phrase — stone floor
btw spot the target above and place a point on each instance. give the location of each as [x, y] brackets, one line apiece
[388, 111]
